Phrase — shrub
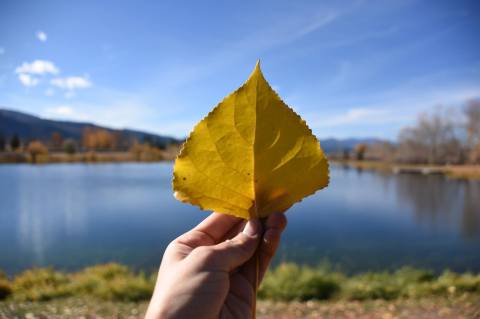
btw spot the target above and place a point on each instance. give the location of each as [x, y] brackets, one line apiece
[130, 288]
[70, 146]
[36, 148]
[5, 288]
[371, 286]
[450, 282]
[291, 282]
[112, 282]
[40, 284]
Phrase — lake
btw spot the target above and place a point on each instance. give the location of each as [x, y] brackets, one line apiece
[72, 215]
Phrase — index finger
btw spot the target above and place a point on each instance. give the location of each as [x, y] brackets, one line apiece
[217, 225]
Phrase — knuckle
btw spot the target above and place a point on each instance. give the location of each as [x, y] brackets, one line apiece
[204, 254]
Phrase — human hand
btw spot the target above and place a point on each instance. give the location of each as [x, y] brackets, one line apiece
[209, 271]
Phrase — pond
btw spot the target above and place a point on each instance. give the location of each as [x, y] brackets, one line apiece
[72, 215]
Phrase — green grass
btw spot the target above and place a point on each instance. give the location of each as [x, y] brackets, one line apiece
[287, 282]
[292, 282]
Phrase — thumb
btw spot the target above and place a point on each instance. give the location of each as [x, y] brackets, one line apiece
[237, 251]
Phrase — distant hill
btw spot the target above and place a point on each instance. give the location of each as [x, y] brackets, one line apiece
[29, 127]
[334, 145]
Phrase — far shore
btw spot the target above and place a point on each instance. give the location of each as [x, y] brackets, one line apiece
[86, 157]
[469, 172]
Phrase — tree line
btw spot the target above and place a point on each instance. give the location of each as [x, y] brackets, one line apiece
[92, 140]
[442, 136]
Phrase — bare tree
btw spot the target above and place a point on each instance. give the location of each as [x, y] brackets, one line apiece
[433, 140]
[381, 151]
[472, 113]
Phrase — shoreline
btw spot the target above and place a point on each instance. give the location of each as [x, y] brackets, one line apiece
[464, 172]
[86, 157]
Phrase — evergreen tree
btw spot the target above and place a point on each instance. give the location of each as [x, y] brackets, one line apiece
[2, 142]
[15, 142]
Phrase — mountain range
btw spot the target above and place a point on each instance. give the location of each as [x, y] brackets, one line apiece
[28, 127]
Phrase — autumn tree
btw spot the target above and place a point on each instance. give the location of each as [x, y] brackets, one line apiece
[98, 139]
[56, 140]
[36, 148]
[359, 151]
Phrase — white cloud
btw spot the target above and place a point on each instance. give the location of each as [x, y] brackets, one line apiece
[62, 110]
[71, 83]
[27, 80]
[65, 112]
[42, 36]
[37, 67]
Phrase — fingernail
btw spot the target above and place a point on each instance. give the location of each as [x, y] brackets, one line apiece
[251, 228]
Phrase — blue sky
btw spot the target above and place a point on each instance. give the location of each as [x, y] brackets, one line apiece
[350, 68]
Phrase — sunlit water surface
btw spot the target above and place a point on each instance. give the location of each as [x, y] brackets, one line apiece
[73, 215]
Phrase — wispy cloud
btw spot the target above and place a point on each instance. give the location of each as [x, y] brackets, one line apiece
[71, 83]
[41, 36]
[387, 114]
[356, 116]
[279, 32]
[37, 67]
[317, 23]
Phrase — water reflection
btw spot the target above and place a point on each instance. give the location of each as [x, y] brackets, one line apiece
[471, 210]
[442, 203]
[47, 204]
[70, 216]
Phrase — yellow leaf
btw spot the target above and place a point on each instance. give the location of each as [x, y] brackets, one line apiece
[251, 156]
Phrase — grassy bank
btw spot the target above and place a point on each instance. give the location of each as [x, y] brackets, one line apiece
[452, 171]
[287, 282]
[289, 291]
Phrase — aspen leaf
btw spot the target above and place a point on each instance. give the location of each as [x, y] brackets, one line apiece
[251, 156]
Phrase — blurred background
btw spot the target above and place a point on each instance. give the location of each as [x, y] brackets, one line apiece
[97, 97]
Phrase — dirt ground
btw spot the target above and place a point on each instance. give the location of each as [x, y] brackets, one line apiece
[466, 306]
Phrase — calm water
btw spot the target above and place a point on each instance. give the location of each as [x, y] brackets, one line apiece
[70, 216]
